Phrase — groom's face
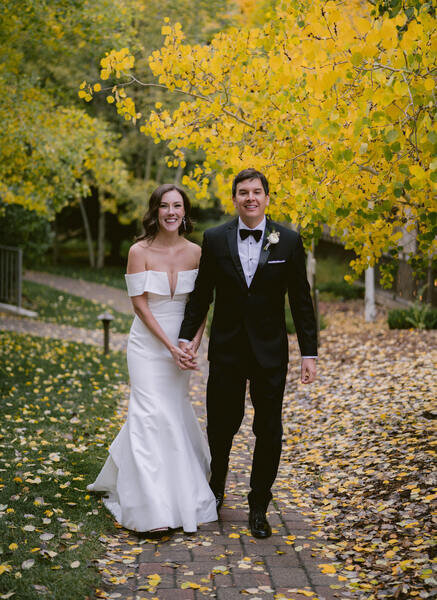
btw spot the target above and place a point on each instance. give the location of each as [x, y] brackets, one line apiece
[250, 200]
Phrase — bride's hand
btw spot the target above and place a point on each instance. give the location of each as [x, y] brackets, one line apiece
[182, 358]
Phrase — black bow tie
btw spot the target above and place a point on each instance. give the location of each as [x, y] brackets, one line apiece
[257, 233]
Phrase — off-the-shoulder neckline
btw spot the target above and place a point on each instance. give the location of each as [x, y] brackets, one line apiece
[166, 272]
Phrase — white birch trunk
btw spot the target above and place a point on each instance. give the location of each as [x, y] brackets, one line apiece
[369, 298]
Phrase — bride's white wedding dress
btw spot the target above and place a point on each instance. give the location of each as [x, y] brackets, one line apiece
[156, 474]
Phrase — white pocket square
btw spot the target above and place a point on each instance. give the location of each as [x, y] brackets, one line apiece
[273, 262]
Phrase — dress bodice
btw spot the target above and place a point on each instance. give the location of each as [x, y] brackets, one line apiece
[157, 282]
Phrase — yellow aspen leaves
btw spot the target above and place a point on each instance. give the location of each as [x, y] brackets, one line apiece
[307, 95]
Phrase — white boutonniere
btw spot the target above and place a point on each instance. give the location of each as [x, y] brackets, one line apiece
[272, 238]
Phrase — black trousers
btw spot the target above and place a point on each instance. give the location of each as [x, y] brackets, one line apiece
[225, 397]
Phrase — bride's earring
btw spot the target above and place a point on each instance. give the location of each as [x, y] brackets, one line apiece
[184, 223]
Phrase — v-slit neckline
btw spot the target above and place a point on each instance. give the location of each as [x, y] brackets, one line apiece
[172, 293]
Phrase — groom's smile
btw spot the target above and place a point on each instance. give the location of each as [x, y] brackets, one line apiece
[251, 201]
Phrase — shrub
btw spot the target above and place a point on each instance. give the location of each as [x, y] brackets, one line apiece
[341, 289]
[419, 316]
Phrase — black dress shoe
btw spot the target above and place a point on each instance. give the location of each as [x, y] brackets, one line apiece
[219, 497]
[259, 526]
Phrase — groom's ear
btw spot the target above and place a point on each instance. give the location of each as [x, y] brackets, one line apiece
[268, 199]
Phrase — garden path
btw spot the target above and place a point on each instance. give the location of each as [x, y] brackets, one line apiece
[116, 298]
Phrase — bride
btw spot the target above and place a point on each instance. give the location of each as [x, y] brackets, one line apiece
[156, 474]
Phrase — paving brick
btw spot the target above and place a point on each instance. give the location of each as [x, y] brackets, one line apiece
[207, 552]
[173, 555]
[223, 581]
[167, 581]
[147, 568]
[176, 594]
[284, 560]
[233, 515]
[325, 593]
[288, 577]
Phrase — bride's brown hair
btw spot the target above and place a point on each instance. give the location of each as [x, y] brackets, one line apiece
[150, 219]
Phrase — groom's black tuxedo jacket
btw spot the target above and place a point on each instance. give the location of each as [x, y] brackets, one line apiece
[252, 314]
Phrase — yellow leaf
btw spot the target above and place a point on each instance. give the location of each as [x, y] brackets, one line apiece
[5, 567]
[234, 535]
[327, 568]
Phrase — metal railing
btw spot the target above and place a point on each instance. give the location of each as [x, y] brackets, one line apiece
[11, 275]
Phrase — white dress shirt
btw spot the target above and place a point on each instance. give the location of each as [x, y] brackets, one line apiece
[249, 249]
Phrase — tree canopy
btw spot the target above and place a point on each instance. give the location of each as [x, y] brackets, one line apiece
[334, 102]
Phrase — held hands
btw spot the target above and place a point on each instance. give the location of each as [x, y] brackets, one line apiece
[308, 370]
[186, 357]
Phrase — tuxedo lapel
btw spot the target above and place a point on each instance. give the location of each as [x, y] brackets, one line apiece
[233, 248]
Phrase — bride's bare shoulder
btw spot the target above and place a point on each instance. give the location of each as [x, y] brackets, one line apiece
[194, 249]
[137, 257]
[193, 252]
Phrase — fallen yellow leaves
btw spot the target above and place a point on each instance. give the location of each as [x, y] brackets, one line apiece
[359, 455]
[327, 568]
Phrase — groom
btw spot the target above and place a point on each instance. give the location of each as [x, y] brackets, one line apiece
[250, 263]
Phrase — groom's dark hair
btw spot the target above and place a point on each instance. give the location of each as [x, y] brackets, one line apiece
[250, 174]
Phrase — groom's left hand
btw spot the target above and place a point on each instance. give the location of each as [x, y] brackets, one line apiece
[308, 370]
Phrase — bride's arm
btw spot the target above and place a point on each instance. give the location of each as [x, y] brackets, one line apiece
[140, 304]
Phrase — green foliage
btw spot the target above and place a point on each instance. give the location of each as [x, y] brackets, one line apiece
[342, 289]
[57, 419]
[23, 228]
[419, 316]
[59, 307]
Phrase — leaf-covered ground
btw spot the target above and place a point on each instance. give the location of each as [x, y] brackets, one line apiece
[359, 455]
[57, 419]
[67, 309]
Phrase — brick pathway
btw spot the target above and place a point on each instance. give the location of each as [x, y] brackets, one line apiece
[117, 299]
[222, 560]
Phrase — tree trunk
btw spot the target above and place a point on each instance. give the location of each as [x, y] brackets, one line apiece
[149, 156]
[179, 173]
[100, 233]
[160, 168]
[429, 283]
[311, 275]
[369, 299]
[89, 239]
[311, 267]
[55, 247]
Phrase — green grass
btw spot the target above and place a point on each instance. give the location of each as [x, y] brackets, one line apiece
[57, 420]
[56, 306]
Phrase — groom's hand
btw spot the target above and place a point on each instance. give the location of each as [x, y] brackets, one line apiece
[308, 370]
